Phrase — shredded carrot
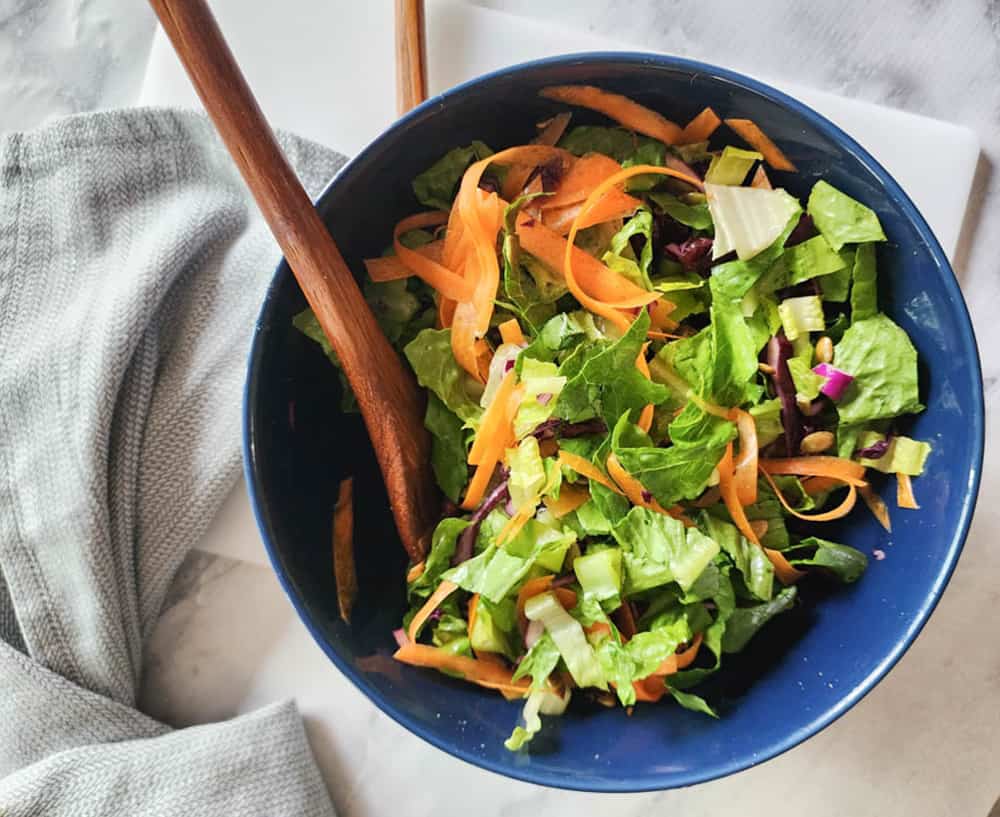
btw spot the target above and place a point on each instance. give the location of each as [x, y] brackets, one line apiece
[585, 468]
[492, 438]
[904, 493]
[839, 512]
[596, 279]
[623, 110]
[438, 276]
[612, 205]
[510, 331]
[571, 497]
[484, 354]
[745, 470]
[680, 660]
[416, 571]
[344, 571]
[782, 568]
[474, 252]
[597, 628]
[878, 508]
[700, 128]
[583, 176]
[595, 305]
[760, 180]
[473, 612]
[817, 466]
[517, 177]
[489, 674]
[818, 485]
[650, 689]
[760, 142]
[659, 315]
[646, 417]
[390, 268]
[654, 335]
[446, 312]
[445, 589]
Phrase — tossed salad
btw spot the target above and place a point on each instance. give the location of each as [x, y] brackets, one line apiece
[652, 376]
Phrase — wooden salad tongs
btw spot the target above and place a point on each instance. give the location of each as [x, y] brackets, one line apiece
[390, 400]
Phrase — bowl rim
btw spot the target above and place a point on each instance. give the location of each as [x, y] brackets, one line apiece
[969, 350]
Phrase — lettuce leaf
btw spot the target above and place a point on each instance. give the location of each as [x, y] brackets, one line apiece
[670, 474]
[732, 357]
[658, 549]
[448, 451]
[608, 379]
[731, 166]
[695, 216]
[864, 295]
[691, 701]
[439, 557]
[746, 622]
[568, 635]
[695, 427]
[747, 219]
[807, 382]
[904, 455]
[622, 259]
[811, 259]
[801, 315]
[749, 559]
[884, 363]
[436, 187]
[840, 219]
[539, 378]
[527, 473]
[433, 362]
[767, 416]
[844, 562]
[618, 143]
[538, 662]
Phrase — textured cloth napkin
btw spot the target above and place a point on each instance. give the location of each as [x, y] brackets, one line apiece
[132, 265]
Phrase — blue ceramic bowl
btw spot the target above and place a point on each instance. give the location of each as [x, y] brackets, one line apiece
[813, 664]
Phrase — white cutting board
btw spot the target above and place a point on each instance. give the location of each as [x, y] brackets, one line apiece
[326, 71]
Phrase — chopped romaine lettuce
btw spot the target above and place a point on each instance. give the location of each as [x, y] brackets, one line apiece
[746, 622]
[864, 296]
[433, 362]
[695, 216]
[448, 450]
[747, 219]
[731, 166]
[811, 259]
[846, 563]
[802, 315]
[840, 219]
[436, 187]
[527, 473]
[600, 572]
[570, 639]
[903, 455]
[883, 362]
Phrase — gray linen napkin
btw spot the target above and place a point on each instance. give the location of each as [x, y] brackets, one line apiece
[132, 264]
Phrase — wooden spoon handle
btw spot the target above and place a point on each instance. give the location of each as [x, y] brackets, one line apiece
[387, 395]
[411, 75]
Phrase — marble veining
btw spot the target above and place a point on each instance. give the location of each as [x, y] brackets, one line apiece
[926, 741]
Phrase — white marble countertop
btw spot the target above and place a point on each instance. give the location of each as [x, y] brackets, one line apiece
[227, 631]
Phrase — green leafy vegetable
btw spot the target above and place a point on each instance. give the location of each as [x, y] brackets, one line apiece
[448, 451]
[608, 378]
[658, 549]
[438, 558]
[569, 637]
[436, 187]
[840, 219]
[527, 473]
[600, 573]
[696, 216]
[807, 382]
[864, 297]
[538, 662]
[749, 559]
[748, 219]
[811, 259]
[731, 166]
[431, 358]
[846, 563]
[802, 315]
[693, 702]
[746, 622]
[622, 259]
[884, 364]
[903, 456]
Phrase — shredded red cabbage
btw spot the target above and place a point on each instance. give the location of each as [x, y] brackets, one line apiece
[693, 253]
[875, 451]
[555, 427]
[779, 349]
[802, 231]
[467, 538]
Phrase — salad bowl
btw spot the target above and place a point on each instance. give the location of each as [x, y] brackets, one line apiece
[815, 662]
